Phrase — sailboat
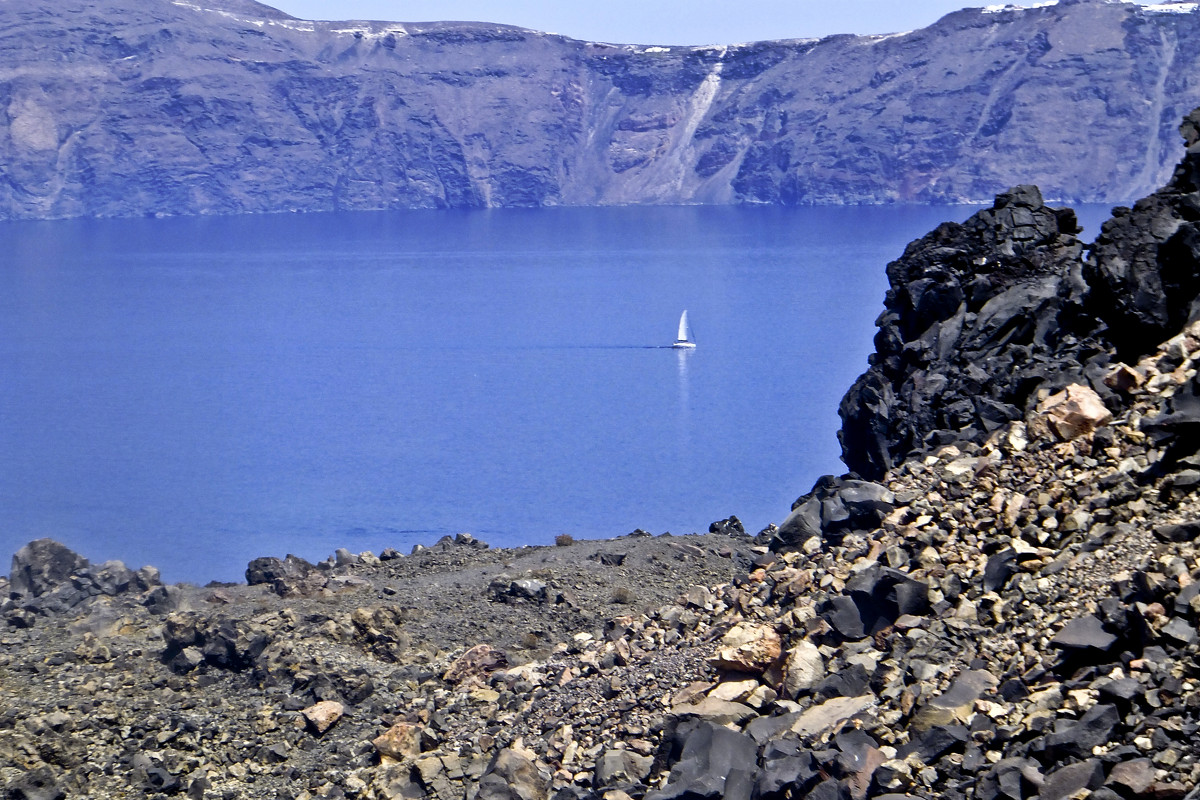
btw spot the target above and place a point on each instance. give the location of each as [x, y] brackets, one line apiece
[682, 340]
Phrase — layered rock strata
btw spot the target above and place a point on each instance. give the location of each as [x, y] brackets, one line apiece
[122, 108]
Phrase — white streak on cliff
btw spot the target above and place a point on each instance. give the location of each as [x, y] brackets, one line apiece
[702, 100]
[1150, 176]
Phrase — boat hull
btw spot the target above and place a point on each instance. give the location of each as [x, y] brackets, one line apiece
[684, 345]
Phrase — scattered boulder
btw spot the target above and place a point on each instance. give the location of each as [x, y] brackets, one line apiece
[36, 784]
[1073, 412]
[1084, 636]
[830, 714]
[288, 577]
[1179, 532]
[713, 762]
[1078, 738]
[748, 647]
[803, 669]
[478, 662]
[1073, 780]
[834, 507]
[43, 565]
[730, 526]
[401, 741]
[1132, 778]
[513, 776]
[521, 590]
[787, 768]
[192, 640]
[617, 767]
[323, 715]
[956, 704]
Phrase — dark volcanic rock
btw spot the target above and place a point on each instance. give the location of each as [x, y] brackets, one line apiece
[1146, 266]
[983, 315]
[288, 577]
[834, 507]
[37, 784]
[715, 762]
[974, 312]
[1077, 738]
[1086, 634]
[231, 106]
[43, 565]
[1073, 779]
[999, 569]
[731, 526]
[883, 595]
[192, 640]
[786, 767]
[1178, 426]
[47, 578]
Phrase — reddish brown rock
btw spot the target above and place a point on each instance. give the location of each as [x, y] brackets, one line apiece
[323, 715]
[1075, 411]
[401, 741]
[477, 662]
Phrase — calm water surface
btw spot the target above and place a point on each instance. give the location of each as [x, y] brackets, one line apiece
[193, 393]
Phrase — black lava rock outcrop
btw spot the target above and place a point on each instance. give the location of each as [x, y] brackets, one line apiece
[230, 106]
[978, 317]
[984, 318]
[1143, 274]
[49, 578]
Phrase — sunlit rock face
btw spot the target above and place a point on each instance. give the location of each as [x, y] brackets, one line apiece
[152, 107]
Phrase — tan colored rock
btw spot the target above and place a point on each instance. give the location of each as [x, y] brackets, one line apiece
[830, 714]
[762, 697]
[1124, 378]
[803, 669]
[1017, 437]
[1075, 411]
[477, 662]
[748, 647]
[483, 694]
[957, 703]
[734, 691]
[401, 741]
[721, 712]
[323, 715]
[692, 693]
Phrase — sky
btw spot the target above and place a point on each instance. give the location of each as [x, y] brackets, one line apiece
[666, 22]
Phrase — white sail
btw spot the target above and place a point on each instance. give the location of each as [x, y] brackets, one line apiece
[682, 339]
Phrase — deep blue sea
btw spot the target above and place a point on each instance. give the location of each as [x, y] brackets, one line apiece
[193, 393]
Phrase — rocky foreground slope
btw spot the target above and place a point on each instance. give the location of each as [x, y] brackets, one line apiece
[147, 107]
[1003, 603]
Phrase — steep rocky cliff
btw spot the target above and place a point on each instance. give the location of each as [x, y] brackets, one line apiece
[116, 107]
[983, 319]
